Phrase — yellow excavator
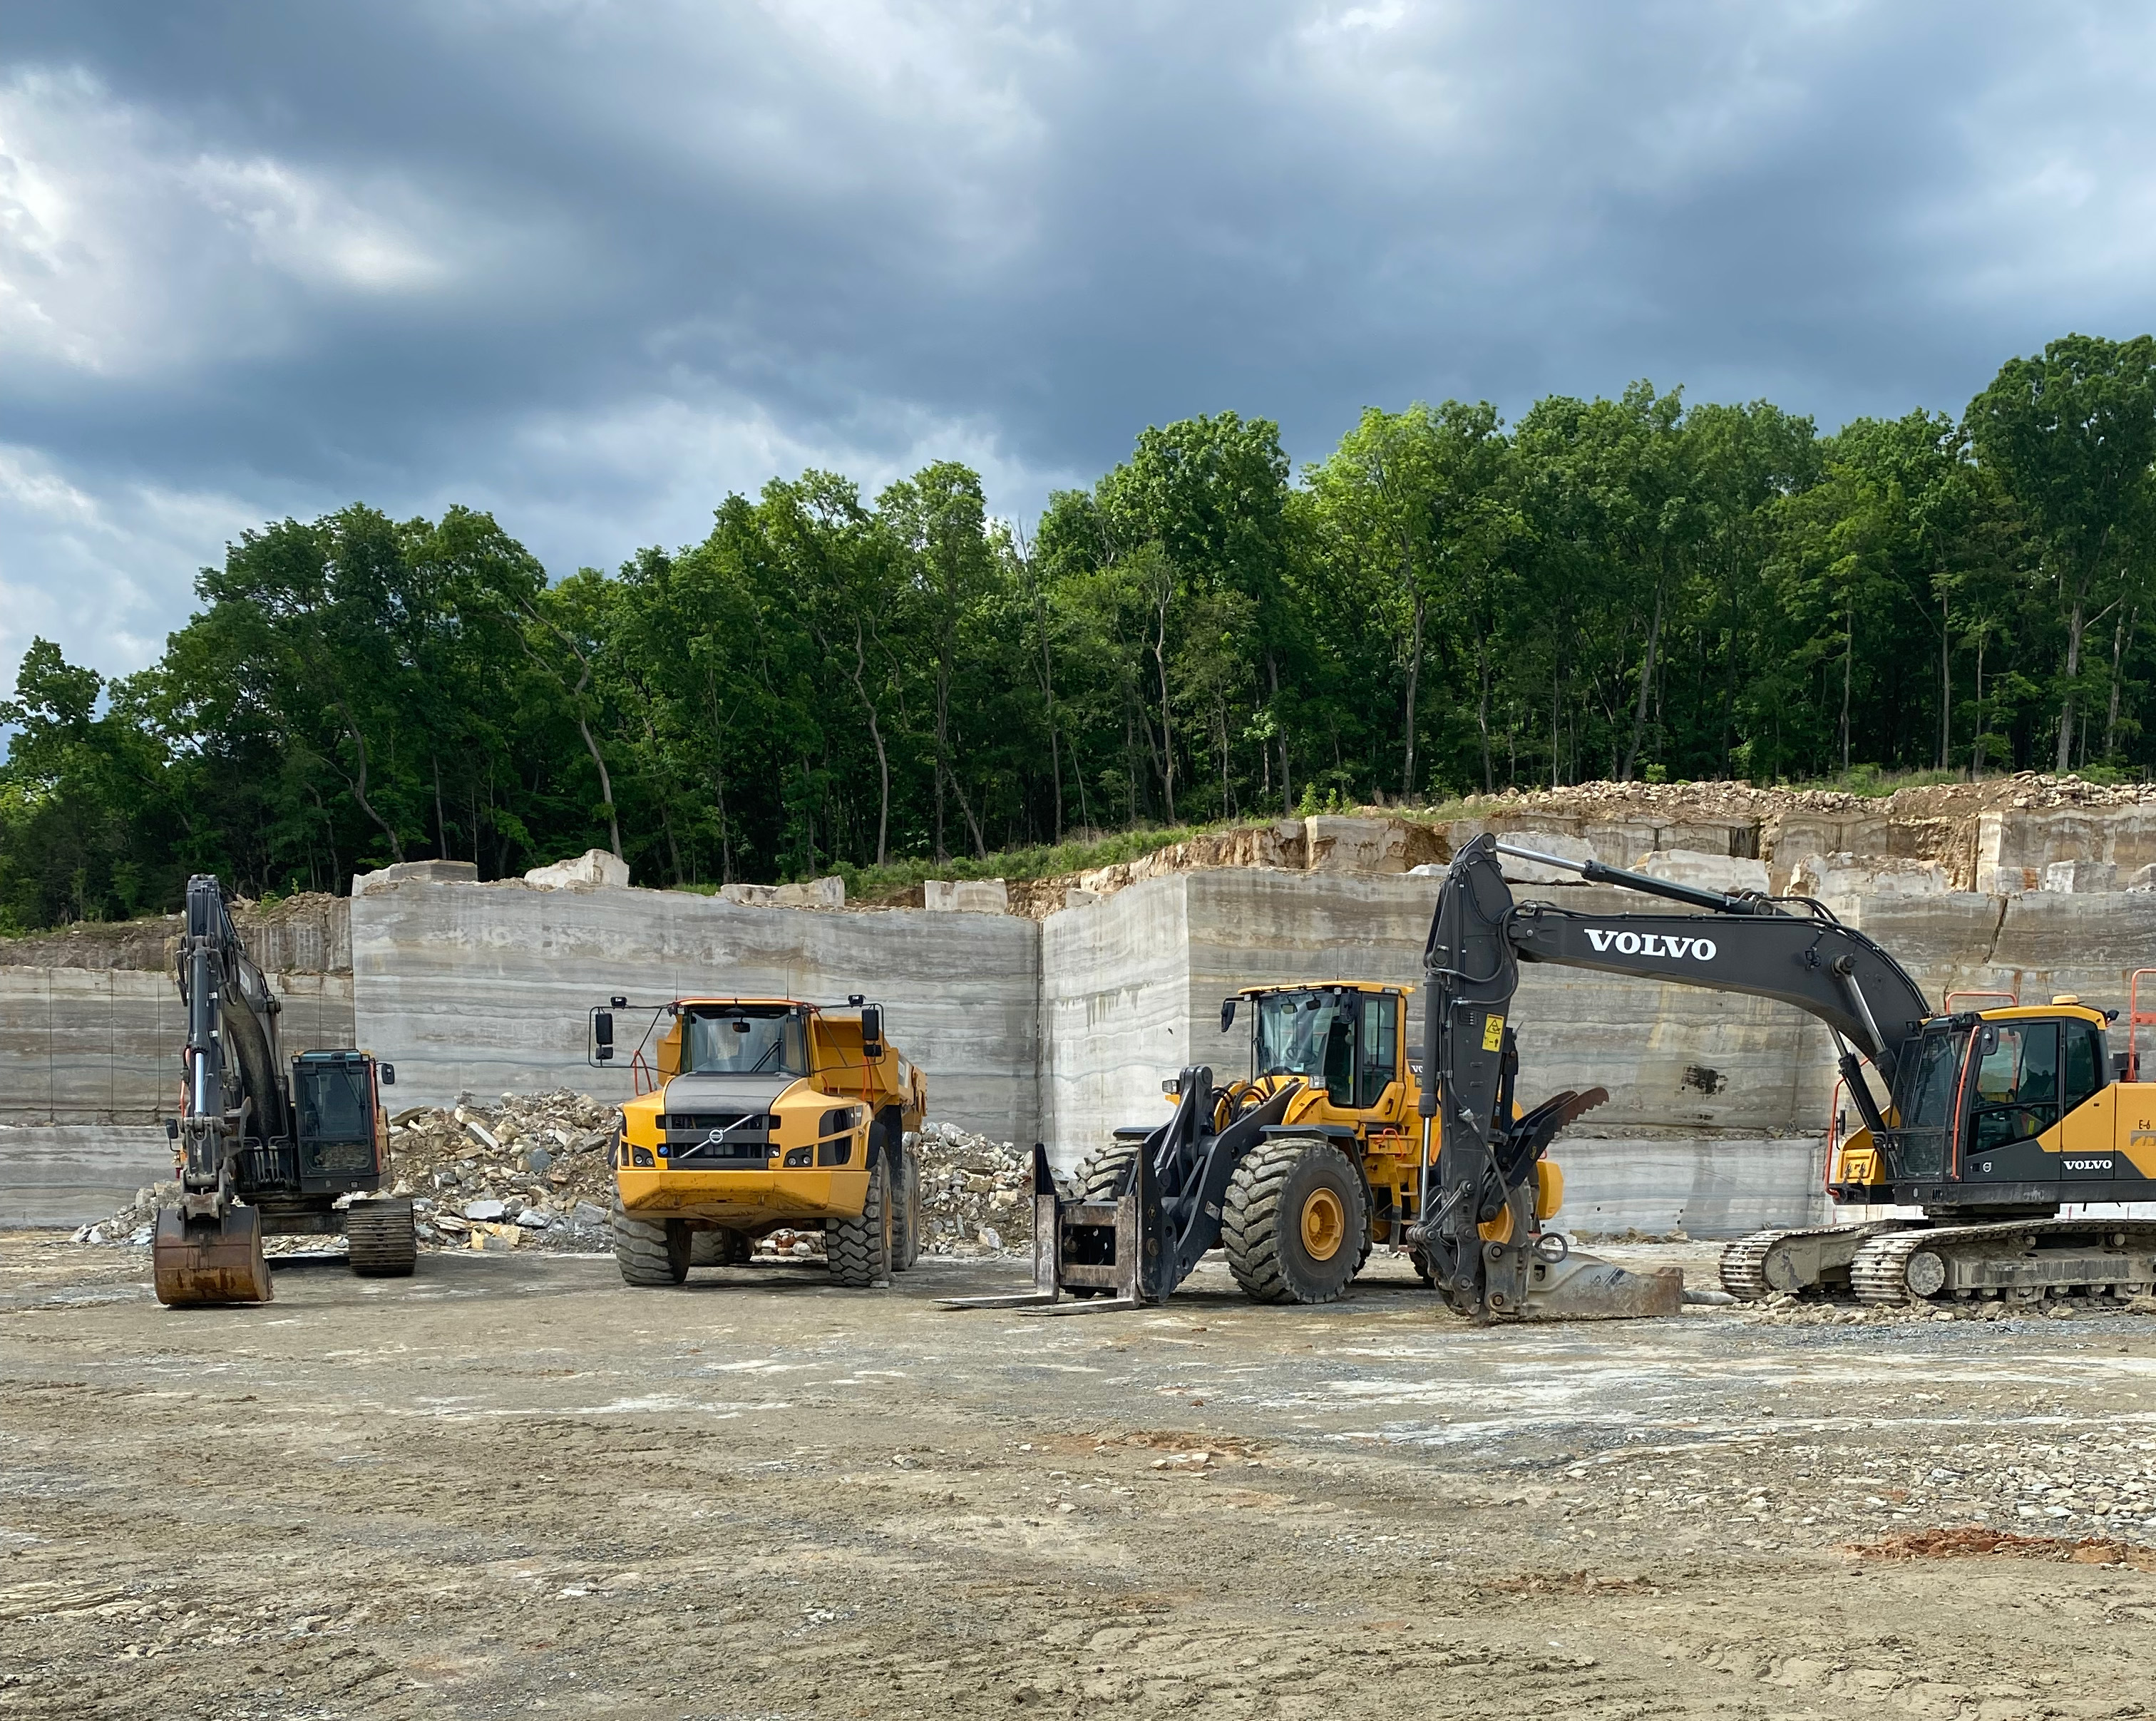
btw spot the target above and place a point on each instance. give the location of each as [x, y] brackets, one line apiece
[1986, 1125]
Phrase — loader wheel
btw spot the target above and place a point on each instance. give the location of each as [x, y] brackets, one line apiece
[650, 1252]
[1293, 1221]
[379, 1240]
[859, 1251]
[1100, 1173]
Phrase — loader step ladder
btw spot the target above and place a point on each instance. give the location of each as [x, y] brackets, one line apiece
[1091, 1247]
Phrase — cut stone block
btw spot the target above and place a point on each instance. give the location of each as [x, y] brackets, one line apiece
[595, 869]
[1710, 872]
[966, 896]
[432, 872]
[813, 893]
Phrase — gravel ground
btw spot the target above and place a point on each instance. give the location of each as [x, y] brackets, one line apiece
[510, 1484]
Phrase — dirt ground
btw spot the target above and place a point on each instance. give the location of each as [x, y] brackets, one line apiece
[511, 1485]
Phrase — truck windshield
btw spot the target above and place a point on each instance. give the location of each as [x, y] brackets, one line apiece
[1308, 1034]
[745, 1040]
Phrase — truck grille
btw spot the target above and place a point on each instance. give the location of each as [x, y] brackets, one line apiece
[735, 1151]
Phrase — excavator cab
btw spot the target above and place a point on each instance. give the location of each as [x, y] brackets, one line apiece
[1996, 1112]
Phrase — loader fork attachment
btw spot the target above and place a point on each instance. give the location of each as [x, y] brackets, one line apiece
[1134, 1246]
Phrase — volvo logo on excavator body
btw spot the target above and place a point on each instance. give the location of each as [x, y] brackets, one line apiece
[1650, 944]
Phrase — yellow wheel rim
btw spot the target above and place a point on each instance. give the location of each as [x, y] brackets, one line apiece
[1324, 1224]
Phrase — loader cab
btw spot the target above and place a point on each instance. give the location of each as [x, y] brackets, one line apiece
[1343, 1038]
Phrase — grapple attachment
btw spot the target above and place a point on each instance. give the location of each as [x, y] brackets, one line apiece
[206, 1263]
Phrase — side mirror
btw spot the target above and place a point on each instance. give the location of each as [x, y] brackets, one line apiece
[388, 1074]
[171, 1129]
[872, 1030]
[1227, 1013]
[602, 1034]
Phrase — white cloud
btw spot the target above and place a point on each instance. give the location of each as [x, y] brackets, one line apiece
[130, 249]
[105, 568]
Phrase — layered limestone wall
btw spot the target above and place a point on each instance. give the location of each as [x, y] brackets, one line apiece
[1063, 1027]
[485, 988]
[91, 1033]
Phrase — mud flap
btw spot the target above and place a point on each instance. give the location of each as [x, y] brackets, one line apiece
[1581, 1288]
[210, 1262]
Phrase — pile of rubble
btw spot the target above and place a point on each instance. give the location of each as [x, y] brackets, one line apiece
[975, 1193]
[537, 1169]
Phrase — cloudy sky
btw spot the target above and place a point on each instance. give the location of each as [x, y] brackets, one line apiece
[593, 265]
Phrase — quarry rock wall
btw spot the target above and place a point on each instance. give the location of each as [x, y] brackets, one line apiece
[1056, 1014]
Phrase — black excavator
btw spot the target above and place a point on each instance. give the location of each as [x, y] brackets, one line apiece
[1992, 1121]
[262, 1147]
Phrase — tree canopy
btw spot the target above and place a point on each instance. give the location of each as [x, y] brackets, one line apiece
[1445, 604]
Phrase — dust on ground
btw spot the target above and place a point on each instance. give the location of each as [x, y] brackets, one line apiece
[511, 1483]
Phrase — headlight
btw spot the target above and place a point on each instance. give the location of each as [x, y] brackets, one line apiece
[799, 1156]
[641, 1156]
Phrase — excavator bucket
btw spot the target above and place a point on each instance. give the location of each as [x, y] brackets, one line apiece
[209, 1262]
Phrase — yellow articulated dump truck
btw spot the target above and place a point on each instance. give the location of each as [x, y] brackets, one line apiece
[759, 1114]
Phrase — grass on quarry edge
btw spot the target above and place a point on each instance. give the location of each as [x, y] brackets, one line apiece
[1041, 860]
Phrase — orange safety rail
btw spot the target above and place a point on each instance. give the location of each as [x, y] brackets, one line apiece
[2136, 1017]
[641, 1076]
[2012, 999]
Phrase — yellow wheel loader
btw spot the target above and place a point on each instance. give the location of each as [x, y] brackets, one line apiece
[764, 1114]
[1337, 1167]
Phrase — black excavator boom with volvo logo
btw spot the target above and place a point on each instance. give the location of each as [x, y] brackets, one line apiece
[1986, 1123]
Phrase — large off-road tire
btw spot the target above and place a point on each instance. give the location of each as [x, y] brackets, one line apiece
[906, 1220]
[1100, 1170]
[860, 1251]
[380, 1239]
[651, 1252]
[719, 1248]
[1293, 1221]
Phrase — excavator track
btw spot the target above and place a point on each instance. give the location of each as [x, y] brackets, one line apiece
[1756, 1267]
[2021, 1261]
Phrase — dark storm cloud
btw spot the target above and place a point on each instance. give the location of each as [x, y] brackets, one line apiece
[592, 266]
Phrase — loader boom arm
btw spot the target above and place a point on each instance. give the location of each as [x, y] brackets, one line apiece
[1789, 949]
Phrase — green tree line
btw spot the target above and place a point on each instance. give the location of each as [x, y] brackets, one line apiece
[1447, 603]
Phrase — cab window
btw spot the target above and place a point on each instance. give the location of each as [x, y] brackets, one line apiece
[2017, 1084]
[2085, 1061]
[1380, 1048]
[746, 1039]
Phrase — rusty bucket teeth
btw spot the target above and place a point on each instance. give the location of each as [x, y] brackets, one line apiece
[209, 1262]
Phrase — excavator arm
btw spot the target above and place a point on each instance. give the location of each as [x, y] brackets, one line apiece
[1791, 949]
[208, 1248]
